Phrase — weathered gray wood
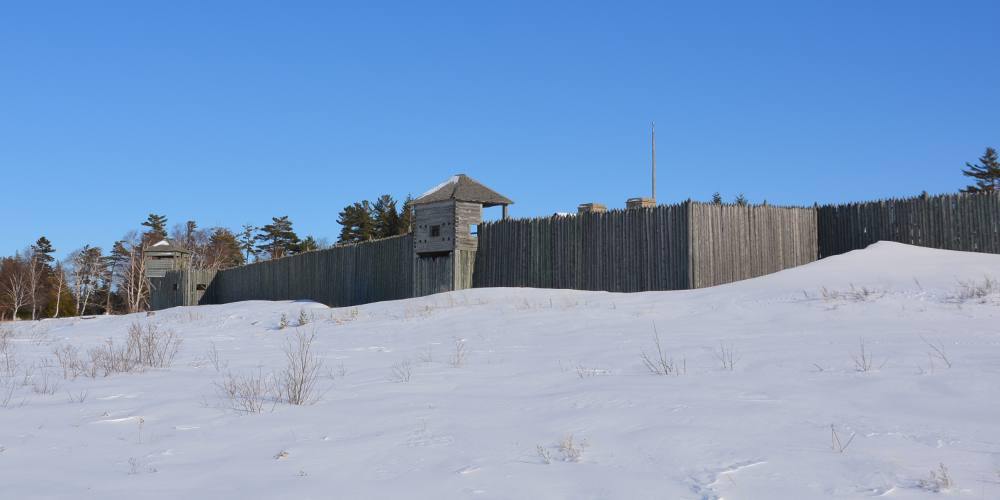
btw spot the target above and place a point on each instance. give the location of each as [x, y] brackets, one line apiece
[967, 222]
[339, 276]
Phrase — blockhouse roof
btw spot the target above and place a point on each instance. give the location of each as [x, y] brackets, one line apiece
[167, 245]
[461, 187]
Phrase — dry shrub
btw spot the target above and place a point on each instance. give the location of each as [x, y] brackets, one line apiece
[938, 480]
[458, 358]
[8, 357]
[854, 294]
[247, 393]
[145, 347]
[152, 347]
[296, 384]
[8, 387]
[216, 358]
[572, 451]
[661, 364]
[73, 365]
[980, 291]
[43, 385]
[401, 372]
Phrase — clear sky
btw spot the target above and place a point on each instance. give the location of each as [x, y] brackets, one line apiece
[232, 112]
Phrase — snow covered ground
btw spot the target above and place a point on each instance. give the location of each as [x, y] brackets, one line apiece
[542, 367]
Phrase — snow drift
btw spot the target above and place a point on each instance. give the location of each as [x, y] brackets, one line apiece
[855, 376]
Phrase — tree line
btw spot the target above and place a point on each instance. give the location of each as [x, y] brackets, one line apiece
[34, 284]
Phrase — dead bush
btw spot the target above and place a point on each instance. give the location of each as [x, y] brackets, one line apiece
[152, 347]
[854, 294]
[247, 393]
[458, 358]
[938, 481]
[145, 347]
[8, 355]
[980, 291]
[73, 365]
[572, 451]
[296, 384]
[661, 364]
[401, 372]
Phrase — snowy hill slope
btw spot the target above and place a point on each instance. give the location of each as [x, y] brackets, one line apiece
[767, 366]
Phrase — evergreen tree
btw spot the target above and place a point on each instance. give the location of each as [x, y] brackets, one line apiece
[248, 241]
[223, 250]
[277, 238]
[405, 216]
[157, 231]
[114, 263]
[356, 223]
[986, 173]
[308, 245]
[741, 200]
[717, 198]
[60, 299]
[42, 250]
[385, 218]
[39, 261]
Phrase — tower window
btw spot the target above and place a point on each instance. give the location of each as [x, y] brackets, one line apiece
[435, 231]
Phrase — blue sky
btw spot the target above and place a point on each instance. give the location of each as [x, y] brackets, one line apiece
[232, 112]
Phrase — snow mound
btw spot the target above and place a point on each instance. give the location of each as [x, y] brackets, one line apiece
[855, 376]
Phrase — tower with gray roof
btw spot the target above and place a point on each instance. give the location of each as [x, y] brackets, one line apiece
[444, 238]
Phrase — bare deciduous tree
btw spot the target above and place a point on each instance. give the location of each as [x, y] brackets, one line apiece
[60, 277]
[86, 271]
[36, 272]
[132, 282]
[16, 285]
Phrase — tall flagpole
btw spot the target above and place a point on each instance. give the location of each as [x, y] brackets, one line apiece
[653, 139]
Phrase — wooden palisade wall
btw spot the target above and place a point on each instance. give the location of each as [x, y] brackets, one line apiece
[668, 247]
[180, 288]
[340, 276]
[618, 251]
[733, 242]
[969, 222]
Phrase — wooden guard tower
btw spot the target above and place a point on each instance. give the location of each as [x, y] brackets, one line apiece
[165, 255]
[443, 240]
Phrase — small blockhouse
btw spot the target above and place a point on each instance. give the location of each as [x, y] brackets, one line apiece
[165, 255]
[443, 240]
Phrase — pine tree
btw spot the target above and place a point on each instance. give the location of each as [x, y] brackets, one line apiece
[717, 198]
[356, 223]
[405, 216]
[114, 262]
[39, 261]
[986, 173]
[741, 200]
[385, 218]
[308, 244]
[157, 225]
[223, 250]
[278, 239]
[248, 241]
[42, 250]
